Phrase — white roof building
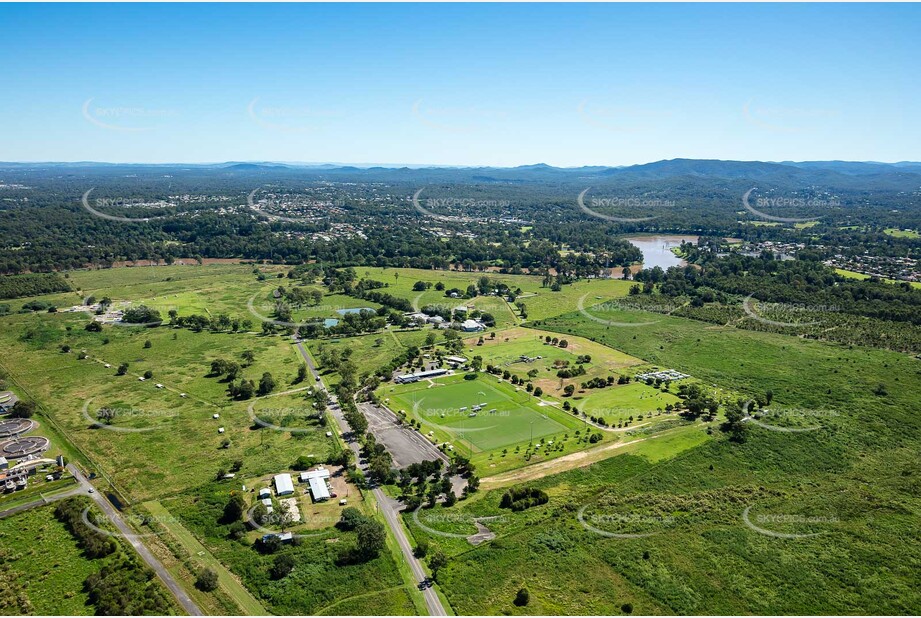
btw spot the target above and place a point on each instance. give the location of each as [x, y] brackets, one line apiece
[317, 479]
[471, 326]
[284, 486]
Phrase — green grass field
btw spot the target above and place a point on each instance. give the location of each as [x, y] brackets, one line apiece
[506, 350]
[516, 418]
[540, 301]
[179, 446]
[618, 403]
[701, 557]
[231, 586]
[849, 274]
[861, 468]
[520, 432]
[44, 561]
[317, 581]
[897, 233]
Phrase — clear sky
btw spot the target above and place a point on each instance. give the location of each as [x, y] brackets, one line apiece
[501, 84]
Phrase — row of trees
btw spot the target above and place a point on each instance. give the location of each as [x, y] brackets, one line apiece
[33, 284]
[123, 586]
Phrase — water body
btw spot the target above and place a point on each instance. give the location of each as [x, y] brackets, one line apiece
[657, 250]
[354, 310]
[330, 322]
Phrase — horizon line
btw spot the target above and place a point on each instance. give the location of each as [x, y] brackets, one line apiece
[442, 166]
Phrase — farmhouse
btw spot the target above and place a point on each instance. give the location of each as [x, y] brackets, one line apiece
[319, 488]
[419, 318]
[415, 377]
[284, 486]
[471, 326]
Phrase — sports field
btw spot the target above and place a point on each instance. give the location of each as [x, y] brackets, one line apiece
[618, 403]
[445, 406]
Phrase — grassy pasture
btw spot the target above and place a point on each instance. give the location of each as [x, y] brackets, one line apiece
[850, 274]
[315, 584]
[506, 349]
[701, 557]
[42, 557]
[897, 233]
[540, 301]
[180, 445]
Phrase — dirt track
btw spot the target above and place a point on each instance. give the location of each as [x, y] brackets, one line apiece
[560, 464]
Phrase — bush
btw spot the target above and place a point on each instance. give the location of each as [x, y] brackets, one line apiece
[350, 519]
[281, 566]
[142, 315]
[126, 588]
[522, 598]
[23, 409]
[371, 539]
[206, 580]
[303, 462]
[93, 544]
[521, 498]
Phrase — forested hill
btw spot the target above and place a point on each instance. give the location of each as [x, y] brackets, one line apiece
[56, 216]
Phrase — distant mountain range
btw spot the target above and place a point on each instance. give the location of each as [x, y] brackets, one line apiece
[904, 175]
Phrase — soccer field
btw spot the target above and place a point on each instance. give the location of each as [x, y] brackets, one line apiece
[618, 403]
[446, 408]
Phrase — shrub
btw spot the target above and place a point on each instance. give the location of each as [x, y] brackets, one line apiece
[281, 566]
[206, 580]
[521, 498]
[522, 598]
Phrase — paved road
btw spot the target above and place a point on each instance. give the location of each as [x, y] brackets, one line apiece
[391, 510]
[76, 491]
[389, 507]
[114, 516]
[309, 361]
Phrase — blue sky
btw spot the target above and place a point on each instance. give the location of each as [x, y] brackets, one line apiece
[475, 84]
